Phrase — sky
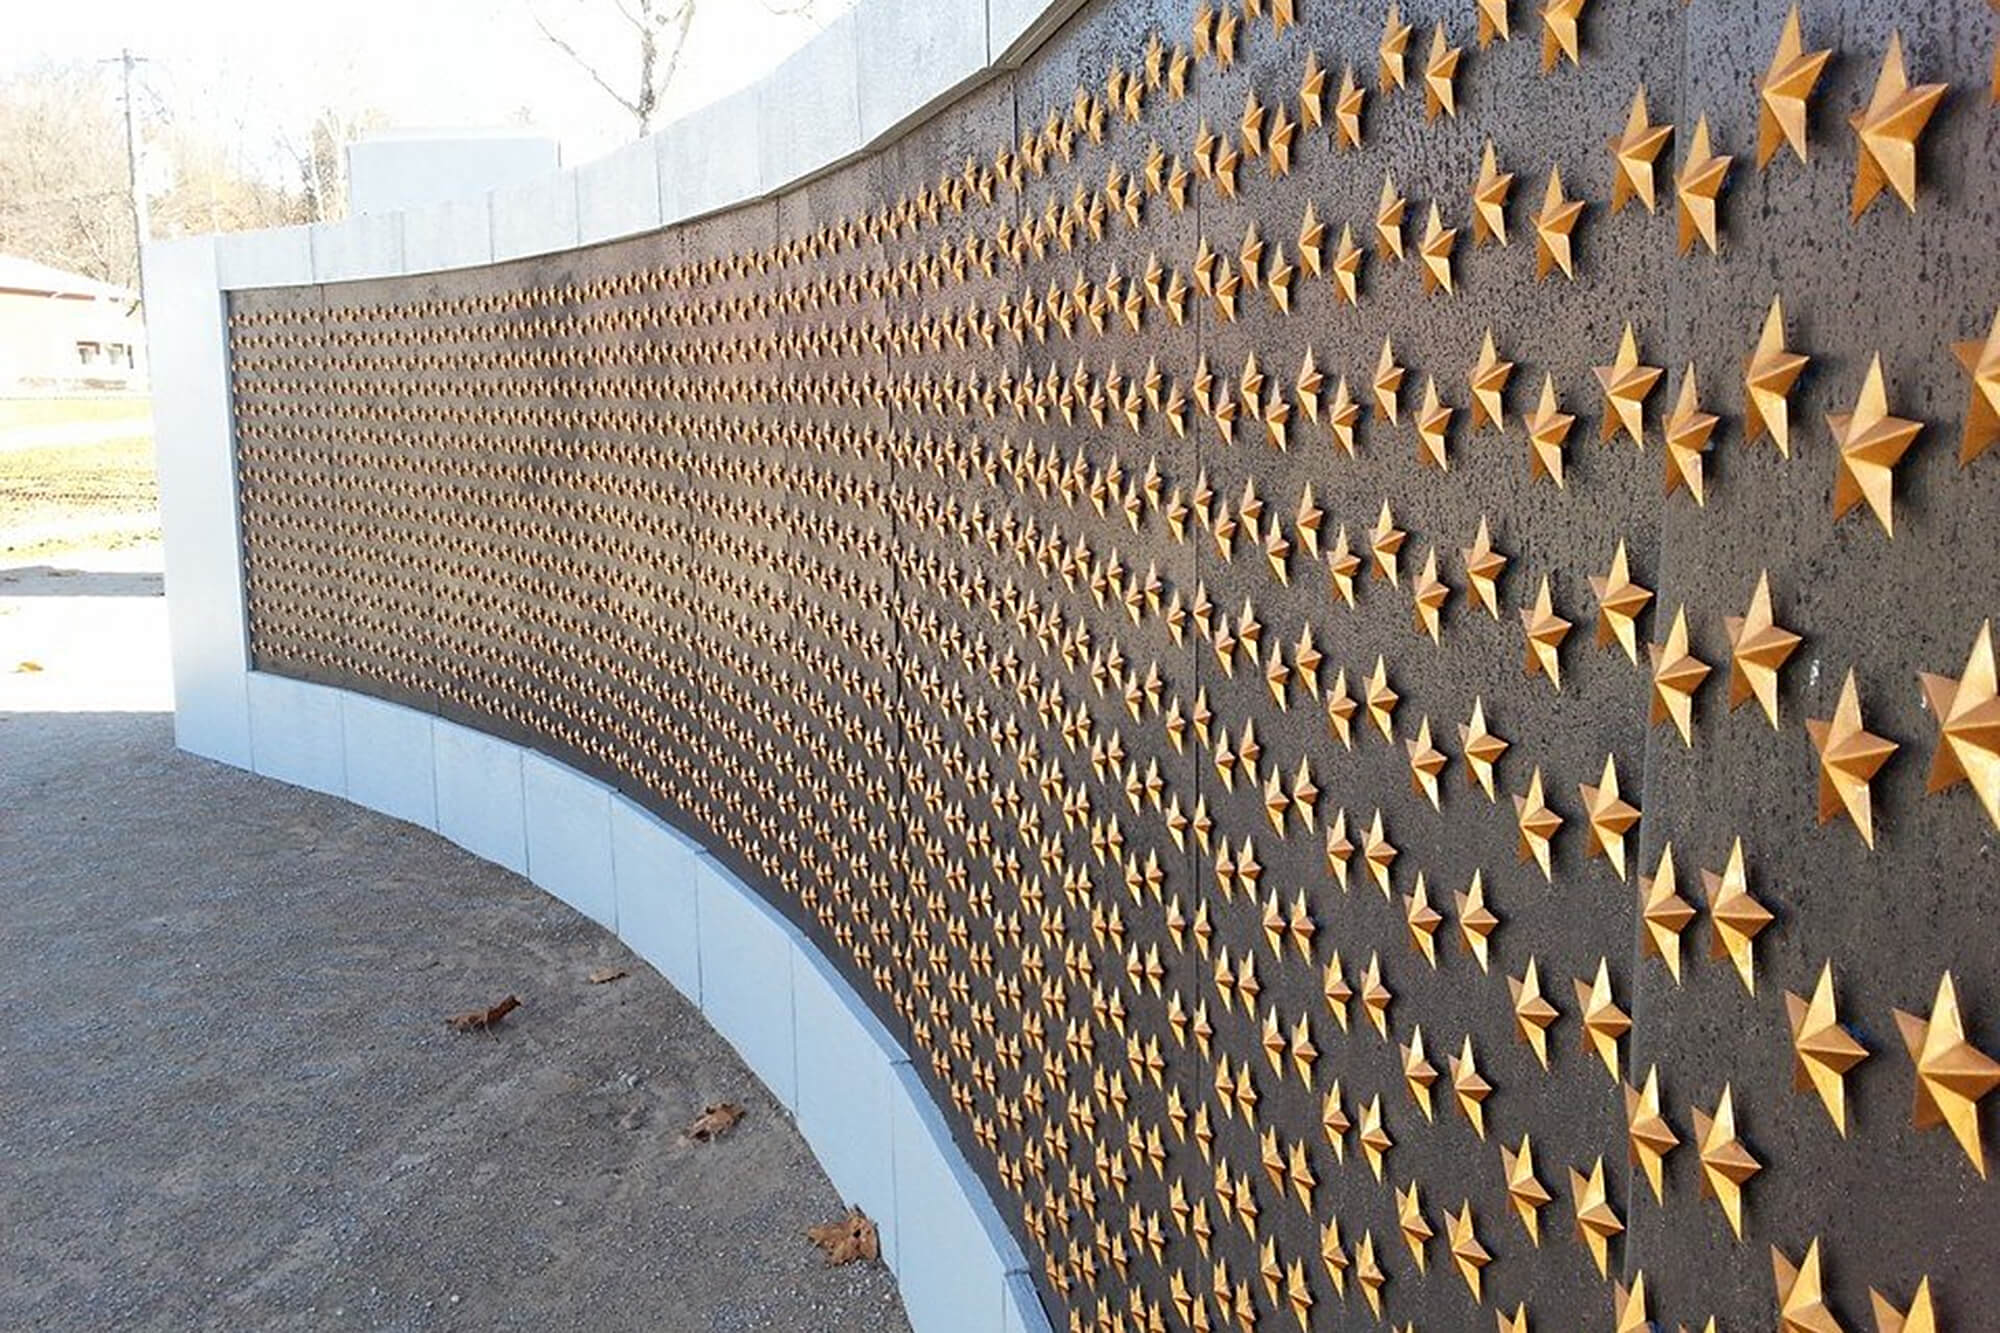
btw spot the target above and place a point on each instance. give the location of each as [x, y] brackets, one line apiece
[248, 67]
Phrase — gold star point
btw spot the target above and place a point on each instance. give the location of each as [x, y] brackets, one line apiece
[1758, 647]
[1697, 187]
[1555, 227]
[1768, 377]
[1548, 429]
[1385, 539]
[1953, 1075]
[1603, 1021]
[1871, 443]
[1493, 22]
[1393, 53]
[1533, 1013]
[1981, 362]
[1347, 107]
[1596, 1220]
[1611, 817]
[1635, 152]
[1688, 430]
[1886, 132]
[1968, 714]
[1467, 1254]
[1483, 568]
[1921, 1317]
[1737, 916]
[1664, 913]
[1677, 674]
[1561, 20]
[1822, 1050]
[1489, 199]
[1801, 1296]
[1545, 631]
[1648, 1132]
[1390, 209]
[1427, 762]
[1628, 1307]
[1782, 93]
[1481, 748]
[1489, 385]
[1726, 1165]
[1537, 824]
[1440, 69]
[1620, 601]
[1419, 1073]
[1468, 1087]
[1433, 429]
[1849, 757]
[1525, 1193]
[1435, 250]
[1626, 382]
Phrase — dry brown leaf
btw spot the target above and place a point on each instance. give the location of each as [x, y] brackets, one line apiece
[605, 974]
[847, 1239]
[714, 1122]
[484, 1020]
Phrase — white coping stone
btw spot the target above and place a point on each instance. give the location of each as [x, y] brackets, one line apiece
[273, 257]
[1014, 28]
[912, 54]
[746, 967]
[458, 234]
[949, 1247]
[659, 902]
[811, 113]
[1021, 1311]
[845, 1081]
[713, 158]
[295, 733]
[535, 218]
[366, 246]
[205, 618]
[619, 195]
[569, 837]
[391, 759]
[479, 799]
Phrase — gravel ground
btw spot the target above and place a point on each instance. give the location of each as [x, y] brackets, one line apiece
[228, 1098]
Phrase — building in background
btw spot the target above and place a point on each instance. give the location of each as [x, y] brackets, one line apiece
[63, 333]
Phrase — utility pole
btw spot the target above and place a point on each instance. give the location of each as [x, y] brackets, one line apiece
[141, 225]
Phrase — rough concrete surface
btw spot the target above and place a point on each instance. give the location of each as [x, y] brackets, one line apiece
[228, 1098]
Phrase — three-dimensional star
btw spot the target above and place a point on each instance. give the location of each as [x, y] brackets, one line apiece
[1952, 1074]
[1768, 377]
[1433, 429]
[1484, 565]
[1435, 251]
[1533, 1012]
[1603, 1021]
[1476, 924]
[1611, 817]
[1347, 258]
[1626, 382]
[1388, 385]
[1758, 647]
[1822, 1050]
[1419, 1074]
[1849, 757]
[1394, 50]
[1440, 68]
[1646, 1129]
[1548, 427]
[1342, 565]
[1782, 94]
[1871, 443]
[1385, 539]
[1554, 229]
[1390, 209]
[1481, 748]
[1527, 1195]
[1921, 1317]
[1596, 1220]
[1538, 825]
[1545, 632]
[1726, 1165]
[1801, 1297]
[1634, 152]
[1677, 674]
[1427, 763]
[1981, 361]
[1664, 913]
[1628, 1306]
[1968, 714]
[1468, 1087]
[1619, 604]
[1347, 105]
[1493, 22]
[1489, 386]
[1380, 854]
[1467, 1254]
[1688, 430]
[1560, 19]
[1736, 915]
[1697, 186]
[1886, 131]
[1489, 200]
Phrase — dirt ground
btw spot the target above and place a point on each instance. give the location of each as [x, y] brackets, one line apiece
[227, 1095]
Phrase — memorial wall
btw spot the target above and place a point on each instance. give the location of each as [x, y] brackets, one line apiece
[1368, 626]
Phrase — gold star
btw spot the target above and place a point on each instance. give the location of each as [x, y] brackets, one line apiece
[1374, 1139]
[1634, 152]
[1489, 195]
[1982, 408]
[1768, 377]
[1849, 756]
[1489, 385]
[1697, 185]
[1596, 1221]
[1527, 1194]
[1347, 271]
[1426, 763]
[1342, 415]
[1559, 32]
[1410, 1220]
[1781, 115]
[1726, 1165]
[1380, 854]
[1677, 674]
[1554, 226]
[1628, 1307]
[1737, 916]
[1389, 210]
[1435, 251]
[1619, 603]
[1822, 1050]
[1665, 913]
[1439, 70]
[1548, 426]
[1651, 1137]
[1871, 443]
[1687, 431]
[1886, 132]
[1342, 565]
[1483, 567]
[1368, 1273]
[1921, 1317]
[1533, 1013]
[1347, 106]
[1482, 749]
[1466, 1251]
[1385, 538]
[1312, 93]
[1611, 818]
[1758, 646]
[1394, 50]
[1492, 22]
[1968, 714]
[1433, 428]
[1952, 1074]
[1470, 1089]
[1419, 1074]
[1476, 924]
[1545, 630]
[1801, 1302]
[1603, 1021]
[1626, 382]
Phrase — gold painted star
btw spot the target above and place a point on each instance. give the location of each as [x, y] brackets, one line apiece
[1493, 22]
[1385, 539]
[1688, 430]
[1469, 1088]
[1483, 567]
[1758, 647]
[1533, 1013]
[1433, 429]
[1411, 1222]
[1596, 1221]
[1489, 198]
[1726, 1165]
[1677, 674]
[1968, 714]
[1603, 1021]
[1548, 427]
[1476, 924]
[1388, 384]
[1871, 443]
[1347, 258]
[1380, 854]
[1341, 566]
[1801, 1299]
[1555, 226]
[1626, 382]
[1611, 817]
[1952, 1074]
[1525, 1193]
[1982, 409]
[1489, 386]
[1849, 757]
[1560, 20]
[1389, 211]
[1665, 913]
[1545, 632]
[1822, 1050]
[1737, 916]
[1435, 250]
[1781, 114]
[1427, 762]
[1768, 377]
[1886, 132]
[1368, 1274]
[1482, 749]
[1628, 1306]
[1440, 68]
[1375, 1140]
[1419, 1074]
[1619, 604]
[1394, 50]
[1921, 1317]
[1635, 151]
[1648, 1132]
[1538, 825]
[1347, 106]
[1697, 186]
[1467, 1254]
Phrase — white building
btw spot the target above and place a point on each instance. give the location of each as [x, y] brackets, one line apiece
[65, 333]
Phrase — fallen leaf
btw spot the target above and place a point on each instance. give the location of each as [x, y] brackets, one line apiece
[484, 1020]
[847, 1239]
[28, 668]
[714, 1122]
[604, 974]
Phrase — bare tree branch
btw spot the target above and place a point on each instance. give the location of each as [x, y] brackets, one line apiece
[584, 65]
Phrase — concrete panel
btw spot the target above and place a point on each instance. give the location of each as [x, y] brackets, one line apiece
[391, 761]
[845, 1078]
[479, 799]
[811, 106]
[746, 961]
[395, 171]
[948, 1260]
[658, 898]
[713, 158]
[569, 837]
[619, 195]
[274, 257]
[458, 234]
[360, 247]
[1016, 27]
[197, 499]
[535, 217]
[295, 733]
[912, 54]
